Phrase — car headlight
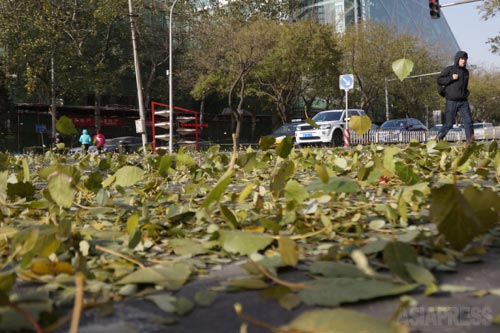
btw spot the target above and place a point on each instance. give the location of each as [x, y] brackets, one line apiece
[326, 126]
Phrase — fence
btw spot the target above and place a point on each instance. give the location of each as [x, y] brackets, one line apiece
[398, 136]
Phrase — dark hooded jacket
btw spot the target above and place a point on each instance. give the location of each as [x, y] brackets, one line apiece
[456, 90]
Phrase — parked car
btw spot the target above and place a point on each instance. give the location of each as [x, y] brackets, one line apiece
[402, 130]
[123, 144]
[285, 130]
[78, 150]
[483, 130]
[330, 129]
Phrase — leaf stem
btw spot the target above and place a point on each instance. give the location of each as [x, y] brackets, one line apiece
[78, 305]
[28, 316]
[103, 249]
[260, 323]
[266, 273]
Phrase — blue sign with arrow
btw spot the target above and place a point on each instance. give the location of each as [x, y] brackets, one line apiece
[346, 81]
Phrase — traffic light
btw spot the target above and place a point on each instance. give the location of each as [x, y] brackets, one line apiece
[435, 9]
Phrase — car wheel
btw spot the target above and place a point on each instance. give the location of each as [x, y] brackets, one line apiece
[337, 138]
[122, 149]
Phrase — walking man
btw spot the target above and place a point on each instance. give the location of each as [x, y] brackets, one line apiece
[456, 80]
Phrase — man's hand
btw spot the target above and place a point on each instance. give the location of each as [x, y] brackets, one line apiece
[455, 76]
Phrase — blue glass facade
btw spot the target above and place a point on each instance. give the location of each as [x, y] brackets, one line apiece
[407, 16]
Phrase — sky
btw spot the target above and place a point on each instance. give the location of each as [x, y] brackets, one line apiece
[472, 32]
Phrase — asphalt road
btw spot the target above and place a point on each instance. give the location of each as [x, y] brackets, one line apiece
[457, 312]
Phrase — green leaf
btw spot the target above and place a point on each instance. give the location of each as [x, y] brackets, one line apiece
[420, 274]
[65, 126]
[7, 281]
[335, 184]
[187, 247]
[184, 159]
[20, 189]
[94, 182]
[179, 305]
[295, 191]
[322, 173]
[406, 174]
[280, 177]
[120, 326]
[336, 291]
[402, 68]
[339, 321]
[288, 250]
[218, 190]
[205, 297]
[266, 142]
[26, 171]
[312, 123]
[165, 165]
[360, 124]
[335, 269]
[397, 255]
[462, 217]
[61, 189]
[243, 242]
[247, 161]
[132, 223]
[466, 155]
[250, 283]
[228, 216]
[128, 176]
[172, 276]
[285, 147]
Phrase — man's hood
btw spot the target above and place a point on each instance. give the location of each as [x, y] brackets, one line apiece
[460, 54]
[85, 131]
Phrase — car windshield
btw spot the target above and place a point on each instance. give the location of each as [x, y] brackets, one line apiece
[394, 124]
[285, 130]
[328, 116]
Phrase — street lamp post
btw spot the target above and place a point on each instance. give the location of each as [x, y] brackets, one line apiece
[170, 82]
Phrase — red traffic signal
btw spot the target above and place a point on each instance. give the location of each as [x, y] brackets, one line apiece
[435, 9]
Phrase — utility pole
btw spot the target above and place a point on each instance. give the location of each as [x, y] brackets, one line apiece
[137, 67]
[170, 83]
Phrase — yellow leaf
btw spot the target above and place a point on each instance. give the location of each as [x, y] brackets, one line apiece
[46, 267]
[289, 251]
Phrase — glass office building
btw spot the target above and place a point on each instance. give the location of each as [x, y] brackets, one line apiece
[407, 16]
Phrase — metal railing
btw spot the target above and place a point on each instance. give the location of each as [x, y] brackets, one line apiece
[398, 136]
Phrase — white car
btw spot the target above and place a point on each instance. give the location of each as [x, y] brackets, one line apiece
[330, 129]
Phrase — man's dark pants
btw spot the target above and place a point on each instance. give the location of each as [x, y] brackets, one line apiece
[452, 109]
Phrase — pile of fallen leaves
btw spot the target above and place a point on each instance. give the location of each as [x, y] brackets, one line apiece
[366, 222]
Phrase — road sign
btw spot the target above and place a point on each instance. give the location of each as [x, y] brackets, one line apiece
[40, 128]
[346, 81]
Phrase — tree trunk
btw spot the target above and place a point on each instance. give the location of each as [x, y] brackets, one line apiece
[97, 112]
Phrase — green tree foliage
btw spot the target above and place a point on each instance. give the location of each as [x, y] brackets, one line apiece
[484, 98]
[81, 39]
[229, 55]
[491, 8]
[153, 37]
[309, 57]
[369, 51]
